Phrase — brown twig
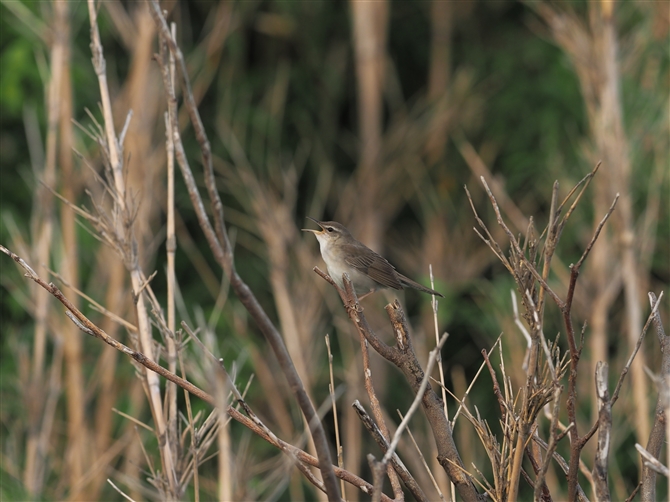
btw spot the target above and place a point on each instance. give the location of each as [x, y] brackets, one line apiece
[576, 442]
[423, 461]
[502, 402]
[479, 168]
[417, 399]
[192, 109]
[634, 492]
[472, 383]
[585, 181]
[374, 402]
[651, 318]
[88, 327]
[554, 439]
[394, 460]
[560, 461]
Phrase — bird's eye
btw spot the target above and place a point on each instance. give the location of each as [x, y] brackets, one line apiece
[330, 229]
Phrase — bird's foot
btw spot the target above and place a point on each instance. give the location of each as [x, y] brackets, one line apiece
[366, 294]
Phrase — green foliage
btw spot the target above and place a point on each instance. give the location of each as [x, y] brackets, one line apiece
[534, 110]
[20, 83]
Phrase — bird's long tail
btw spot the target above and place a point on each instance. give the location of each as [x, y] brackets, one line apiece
[409, 283]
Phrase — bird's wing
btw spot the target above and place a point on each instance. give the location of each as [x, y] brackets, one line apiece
[373, 265]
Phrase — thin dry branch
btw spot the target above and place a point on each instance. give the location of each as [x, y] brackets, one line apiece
[333, 400]
[472, 383]
[415, 404]
[652, 317]
[394, 460]
[125, 496]
[90, 328]
[585, 181]
[378, 414]
[575, 268]
[657, 434]
[95, 305]
[440, 367]
[604, 433]
[252, 422]
[194, 114]
[554, 438]
[417, 399]
[423, 461]
[651, 461]
[479, 167]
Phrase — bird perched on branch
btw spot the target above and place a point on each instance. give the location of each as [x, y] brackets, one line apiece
[367, 270]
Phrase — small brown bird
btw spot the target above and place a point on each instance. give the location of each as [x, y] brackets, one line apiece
[367, 270]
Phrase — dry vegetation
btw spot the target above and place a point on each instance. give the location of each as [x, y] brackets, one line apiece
[209, 409]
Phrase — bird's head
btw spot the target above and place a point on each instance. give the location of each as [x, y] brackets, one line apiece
[331, 231]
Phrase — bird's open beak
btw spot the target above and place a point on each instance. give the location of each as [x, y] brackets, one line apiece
[311, 229]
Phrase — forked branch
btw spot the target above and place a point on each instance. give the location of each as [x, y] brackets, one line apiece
[403, 356]
[532, 285]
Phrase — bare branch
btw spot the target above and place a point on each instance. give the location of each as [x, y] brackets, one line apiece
[604, 432]
[624, 371]
[657, 433]
[394, 460]
[651, 461]
[417, 399]
[404, 357]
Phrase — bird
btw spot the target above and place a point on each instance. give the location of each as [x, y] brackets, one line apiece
[368, 271]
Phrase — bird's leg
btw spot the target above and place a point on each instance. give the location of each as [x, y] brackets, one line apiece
[366, 294]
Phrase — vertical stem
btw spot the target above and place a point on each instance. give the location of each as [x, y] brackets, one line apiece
[604, 434]
[377, 412]
[123, 222]
[439, 75]
[78, 434]
[369, 21]
[331, 388]
[171, 248]
[42, 236]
